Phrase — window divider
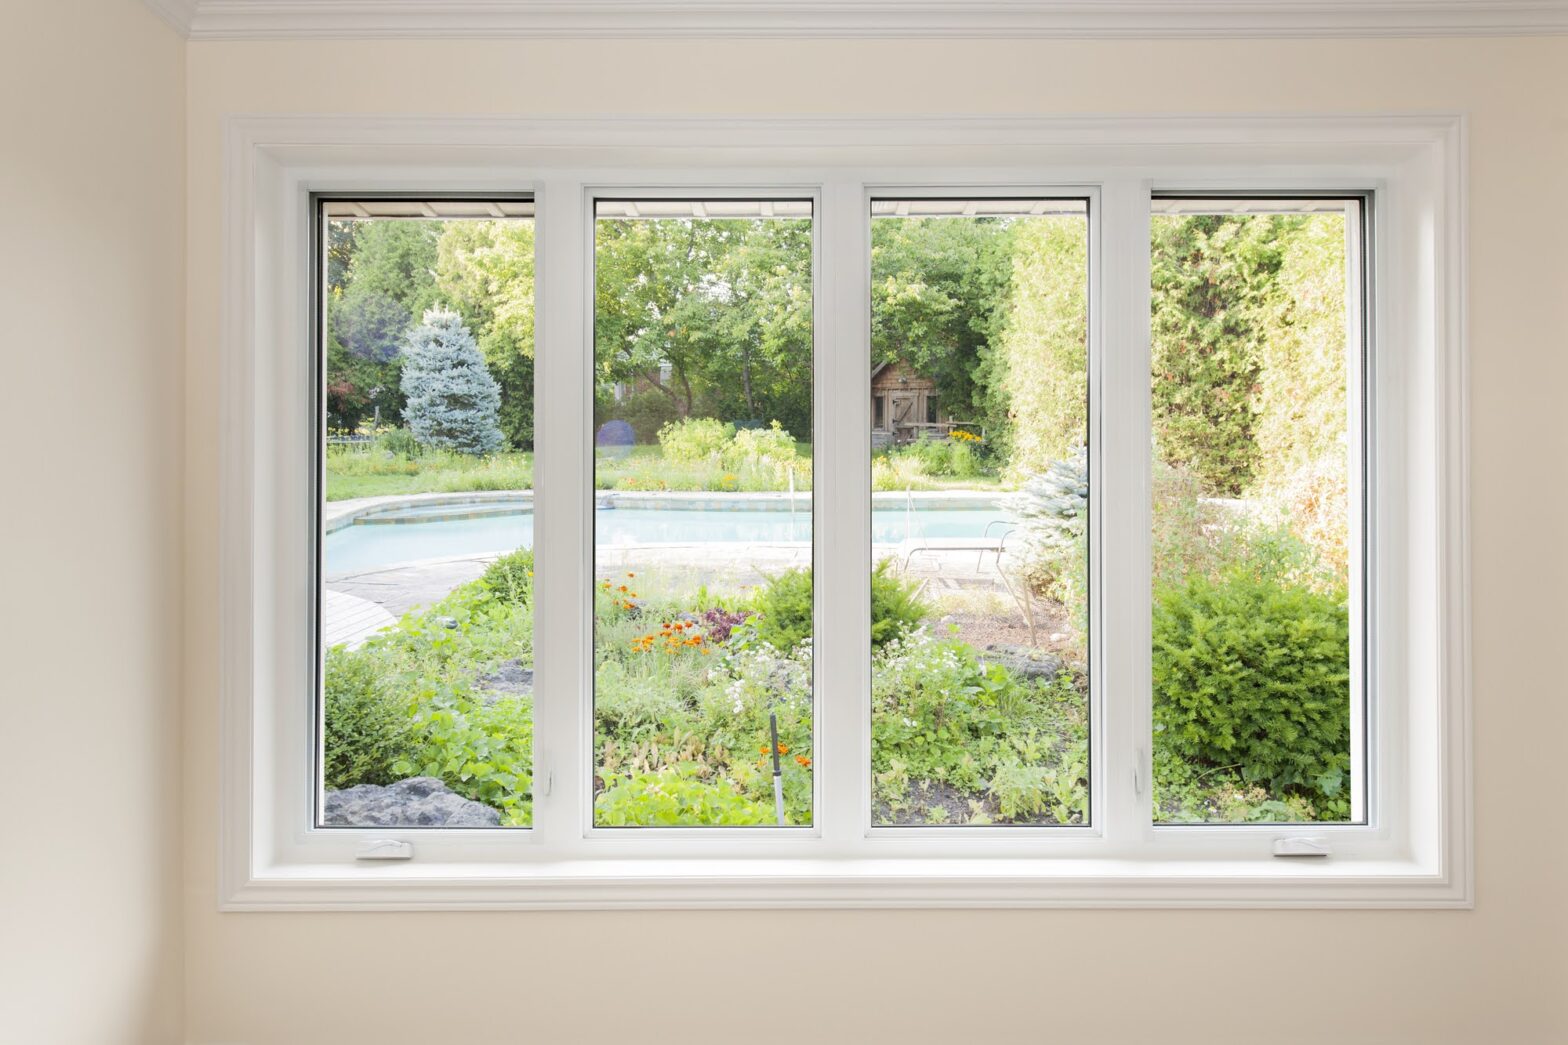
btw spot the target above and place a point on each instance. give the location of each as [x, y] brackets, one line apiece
[842, 481]
[562, 495]
[1119, 513]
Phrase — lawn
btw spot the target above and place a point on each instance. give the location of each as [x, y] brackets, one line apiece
[375, 471]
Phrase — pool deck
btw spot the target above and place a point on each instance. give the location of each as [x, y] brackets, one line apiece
[347, 620]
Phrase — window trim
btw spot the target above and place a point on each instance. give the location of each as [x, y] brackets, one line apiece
[1418, 854]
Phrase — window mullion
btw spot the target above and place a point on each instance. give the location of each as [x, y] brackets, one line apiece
[842, 530]
[563, 532]
[1120, 507]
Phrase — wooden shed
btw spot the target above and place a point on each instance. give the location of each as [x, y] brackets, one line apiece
[903, 405]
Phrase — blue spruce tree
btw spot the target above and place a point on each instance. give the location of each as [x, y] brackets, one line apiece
[453, 401]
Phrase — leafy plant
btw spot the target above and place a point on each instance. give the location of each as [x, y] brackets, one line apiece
[511, 577]
[367, 731]
[484, 752]
[784, 606]
[1253, 675]
[674, 796]
[694, 439]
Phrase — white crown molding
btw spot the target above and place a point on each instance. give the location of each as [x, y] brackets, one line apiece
[179, 13]
[1081, 19]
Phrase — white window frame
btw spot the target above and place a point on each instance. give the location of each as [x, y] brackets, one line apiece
[1414, 852]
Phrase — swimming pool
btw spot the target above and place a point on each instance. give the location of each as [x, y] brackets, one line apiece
[478, 528]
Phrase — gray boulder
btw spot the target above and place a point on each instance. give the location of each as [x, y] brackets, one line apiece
[419, 801]
[1025, 662]
[509, 679]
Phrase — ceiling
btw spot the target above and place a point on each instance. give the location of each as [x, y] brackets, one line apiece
[344, 19]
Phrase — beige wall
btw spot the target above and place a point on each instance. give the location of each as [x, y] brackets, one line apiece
[1495, 974]
[91, 399]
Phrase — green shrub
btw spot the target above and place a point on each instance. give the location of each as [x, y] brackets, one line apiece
[758, 447]
[896, 606]
[784, 608]
[511, 577]
[675, 797]
[367, 730]
[647, 412]
[1254, 675]
[400, 442]
[693, 439]
[783, 617]
[483, 752]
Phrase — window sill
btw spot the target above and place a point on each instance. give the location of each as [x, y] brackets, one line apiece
[853, 883]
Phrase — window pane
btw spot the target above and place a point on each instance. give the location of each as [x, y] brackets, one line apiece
[1256, 369]
[703, 603]
[426, 612]
[979, 597]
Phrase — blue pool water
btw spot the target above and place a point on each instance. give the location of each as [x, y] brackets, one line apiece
[370, 546]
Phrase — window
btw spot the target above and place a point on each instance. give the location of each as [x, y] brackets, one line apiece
[979, 589]
[425, 607]
[888, 532]
[703, 597]
[1257, 360]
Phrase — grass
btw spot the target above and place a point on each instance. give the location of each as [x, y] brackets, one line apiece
[374, 472]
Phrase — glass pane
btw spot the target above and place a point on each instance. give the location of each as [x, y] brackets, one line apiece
[426, 611]
[703, 603]
[1256, 365]
[979, 597]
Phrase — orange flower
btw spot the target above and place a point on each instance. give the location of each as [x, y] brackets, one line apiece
[805, 763]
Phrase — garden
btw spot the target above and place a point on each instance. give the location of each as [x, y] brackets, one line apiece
[703, 664]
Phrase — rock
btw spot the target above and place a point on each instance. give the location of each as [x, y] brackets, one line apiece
[1025, 662]
[510, 679]
[419, 801]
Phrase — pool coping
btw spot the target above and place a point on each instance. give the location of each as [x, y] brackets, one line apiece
[337, 515]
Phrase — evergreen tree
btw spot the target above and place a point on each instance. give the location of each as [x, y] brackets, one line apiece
[452, 401]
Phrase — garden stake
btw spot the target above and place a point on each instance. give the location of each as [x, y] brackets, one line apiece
[778, 777]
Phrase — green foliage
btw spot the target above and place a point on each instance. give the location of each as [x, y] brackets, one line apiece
[725, 304]
[952, 458]
[1254, 675]
[683, 689]
[367, 731]
[399, 442]
[784, 605]
[484, 752]
[694, 439]
[451, 399]
[760, 447]
[1038, 374]
[410, 703]
[896, 605]
[675, 797]
[352, 472]
[485, 270]
[511, 578]
[939, 293]
[944, 722]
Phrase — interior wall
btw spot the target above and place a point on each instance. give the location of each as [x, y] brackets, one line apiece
[92, 273]
[1492, 974]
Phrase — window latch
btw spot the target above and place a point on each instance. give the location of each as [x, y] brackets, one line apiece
[384, 849]
[1302, 846]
